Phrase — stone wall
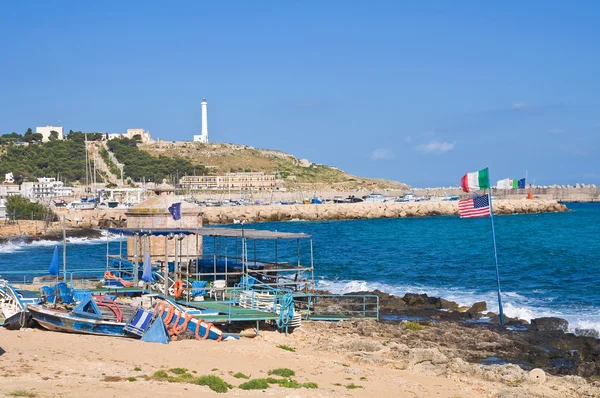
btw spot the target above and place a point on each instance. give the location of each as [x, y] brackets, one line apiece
[96, 219]
[350, 211]
[347, 211]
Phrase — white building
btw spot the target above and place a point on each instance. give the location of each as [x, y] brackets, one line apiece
[5, 191]
[45, 187]
[45, 132]
[203, 137]
[145, 135]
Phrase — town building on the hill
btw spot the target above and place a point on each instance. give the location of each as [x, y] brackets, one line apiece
[46, 132]
[250, 181]
[203, 136]
[145, 137]
[45, 187]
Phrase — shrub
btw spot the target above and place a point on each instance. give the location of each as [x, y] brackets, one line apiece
[22, 393]
[160, 374]
[413, 325]
[255, 384]
[21, 208]
[215, 383]
[240, 375]
[283, 372]
[353, 386]
[178, 371]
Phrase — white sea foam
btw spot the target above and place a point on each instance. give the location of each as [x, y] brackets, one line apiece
[515, 305]
[19, 244]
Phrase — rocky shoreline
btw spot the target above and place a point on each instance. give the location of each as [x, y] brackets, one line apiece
[474, 335]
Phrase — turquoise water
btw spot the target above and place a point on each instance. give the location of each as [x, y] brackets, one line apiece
[549, 263]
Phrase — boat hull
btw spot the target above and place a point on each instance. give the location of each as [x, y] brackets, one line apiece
[214, 334]
[66, 322]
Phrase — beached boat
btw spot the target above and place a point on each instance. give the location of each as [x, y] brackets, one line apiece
[376, 198]
[13, 306]
[62, 319]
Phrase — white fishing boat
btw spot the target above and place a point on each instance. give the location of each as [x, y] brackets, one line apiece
[376, 198]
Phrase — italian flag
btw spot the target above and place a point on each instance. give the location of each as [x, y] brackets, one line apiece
[475, 181]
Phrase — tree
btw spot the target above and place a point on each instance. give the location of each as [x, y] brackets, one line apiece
[137, 138]
[53, 135]
[21, 208]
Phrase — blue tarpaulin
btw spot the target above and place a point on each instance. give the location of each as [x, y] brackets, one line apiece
[54, 264]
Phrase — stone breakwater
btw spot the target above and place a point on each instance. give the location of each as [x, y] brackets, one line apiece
[93, 219]
[351, 211]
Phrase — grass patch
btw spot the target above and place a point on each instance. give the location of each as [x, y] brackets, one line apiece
[337, 384]
[283, 372]
[215, 383]
[240, 375]
[353, 386]
[112, 378]
[214, 369]
[255, 384]
[131, 378]
[137, 369]
[22, 393]
[412, 325]
[310, 384]
[286, 347]
[363, 378]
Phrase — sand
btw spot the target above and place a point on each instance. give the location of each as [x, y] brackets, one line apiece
[53, 364]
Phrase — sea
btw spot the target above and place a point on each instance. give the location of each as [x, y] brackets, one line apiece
[549, 264]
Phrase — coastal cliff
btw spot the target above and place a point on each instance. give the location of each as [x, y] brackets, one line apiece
[352, 211]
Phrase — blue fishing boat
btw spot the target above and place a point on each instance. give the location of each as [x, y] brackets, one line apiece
[85, 318]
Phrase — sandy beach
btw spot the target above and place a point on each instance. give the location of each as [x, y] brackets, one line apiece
[393, 362]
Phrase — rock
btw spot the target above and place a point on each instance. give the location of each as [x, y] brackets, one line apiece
[448, 305]
[549, 324]
[537, 376]
[587, 333]
[587, 369]
[477, 307]
[415, 299]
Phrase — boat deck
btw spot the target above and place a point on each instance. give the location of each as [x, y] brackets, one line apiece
[228, 312]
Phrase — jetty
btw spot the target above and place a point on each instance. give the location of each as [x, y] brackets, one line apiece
[116, 218]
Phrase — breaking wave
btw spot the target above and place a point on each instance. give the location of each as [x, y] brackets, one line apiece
[515, 305]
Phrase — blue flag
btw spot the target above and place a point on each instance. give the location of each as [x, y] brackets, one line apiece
[54, 264]
[175, 210]
[521, 184]
[147, 274]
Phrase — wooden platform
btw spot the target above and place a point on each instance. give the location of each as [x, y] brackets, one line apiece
[228, 312]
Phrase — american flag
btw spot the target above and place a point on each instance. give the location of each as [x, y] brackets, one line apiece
[477, 206]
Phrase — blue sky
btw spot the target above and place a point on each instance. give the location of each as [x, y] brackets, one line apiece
[420, 93]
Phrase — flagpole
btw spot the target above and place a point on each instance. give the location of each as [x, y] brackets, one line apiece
[64, 222]
[495, 255]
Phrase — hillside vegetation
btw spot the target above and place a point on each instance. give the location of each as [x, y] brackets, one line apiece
[141, 165]
[26, 162]
[170, 160]
[222, 158]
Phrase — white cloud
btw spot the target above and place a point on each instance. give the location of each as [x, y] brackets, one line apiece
[556, 131]
[382, 154]
[408, 139]
[435, 147]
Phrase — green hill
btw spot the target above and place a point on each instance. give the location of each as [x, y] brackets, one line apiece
[222, 158]
[27, 158]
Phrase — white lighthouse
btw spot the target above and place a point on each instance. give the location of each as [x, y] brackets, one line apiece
[203, 137]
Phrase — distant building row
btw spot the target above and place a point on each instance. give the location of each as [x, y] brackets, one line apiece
[251, 181]
[46, 133]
